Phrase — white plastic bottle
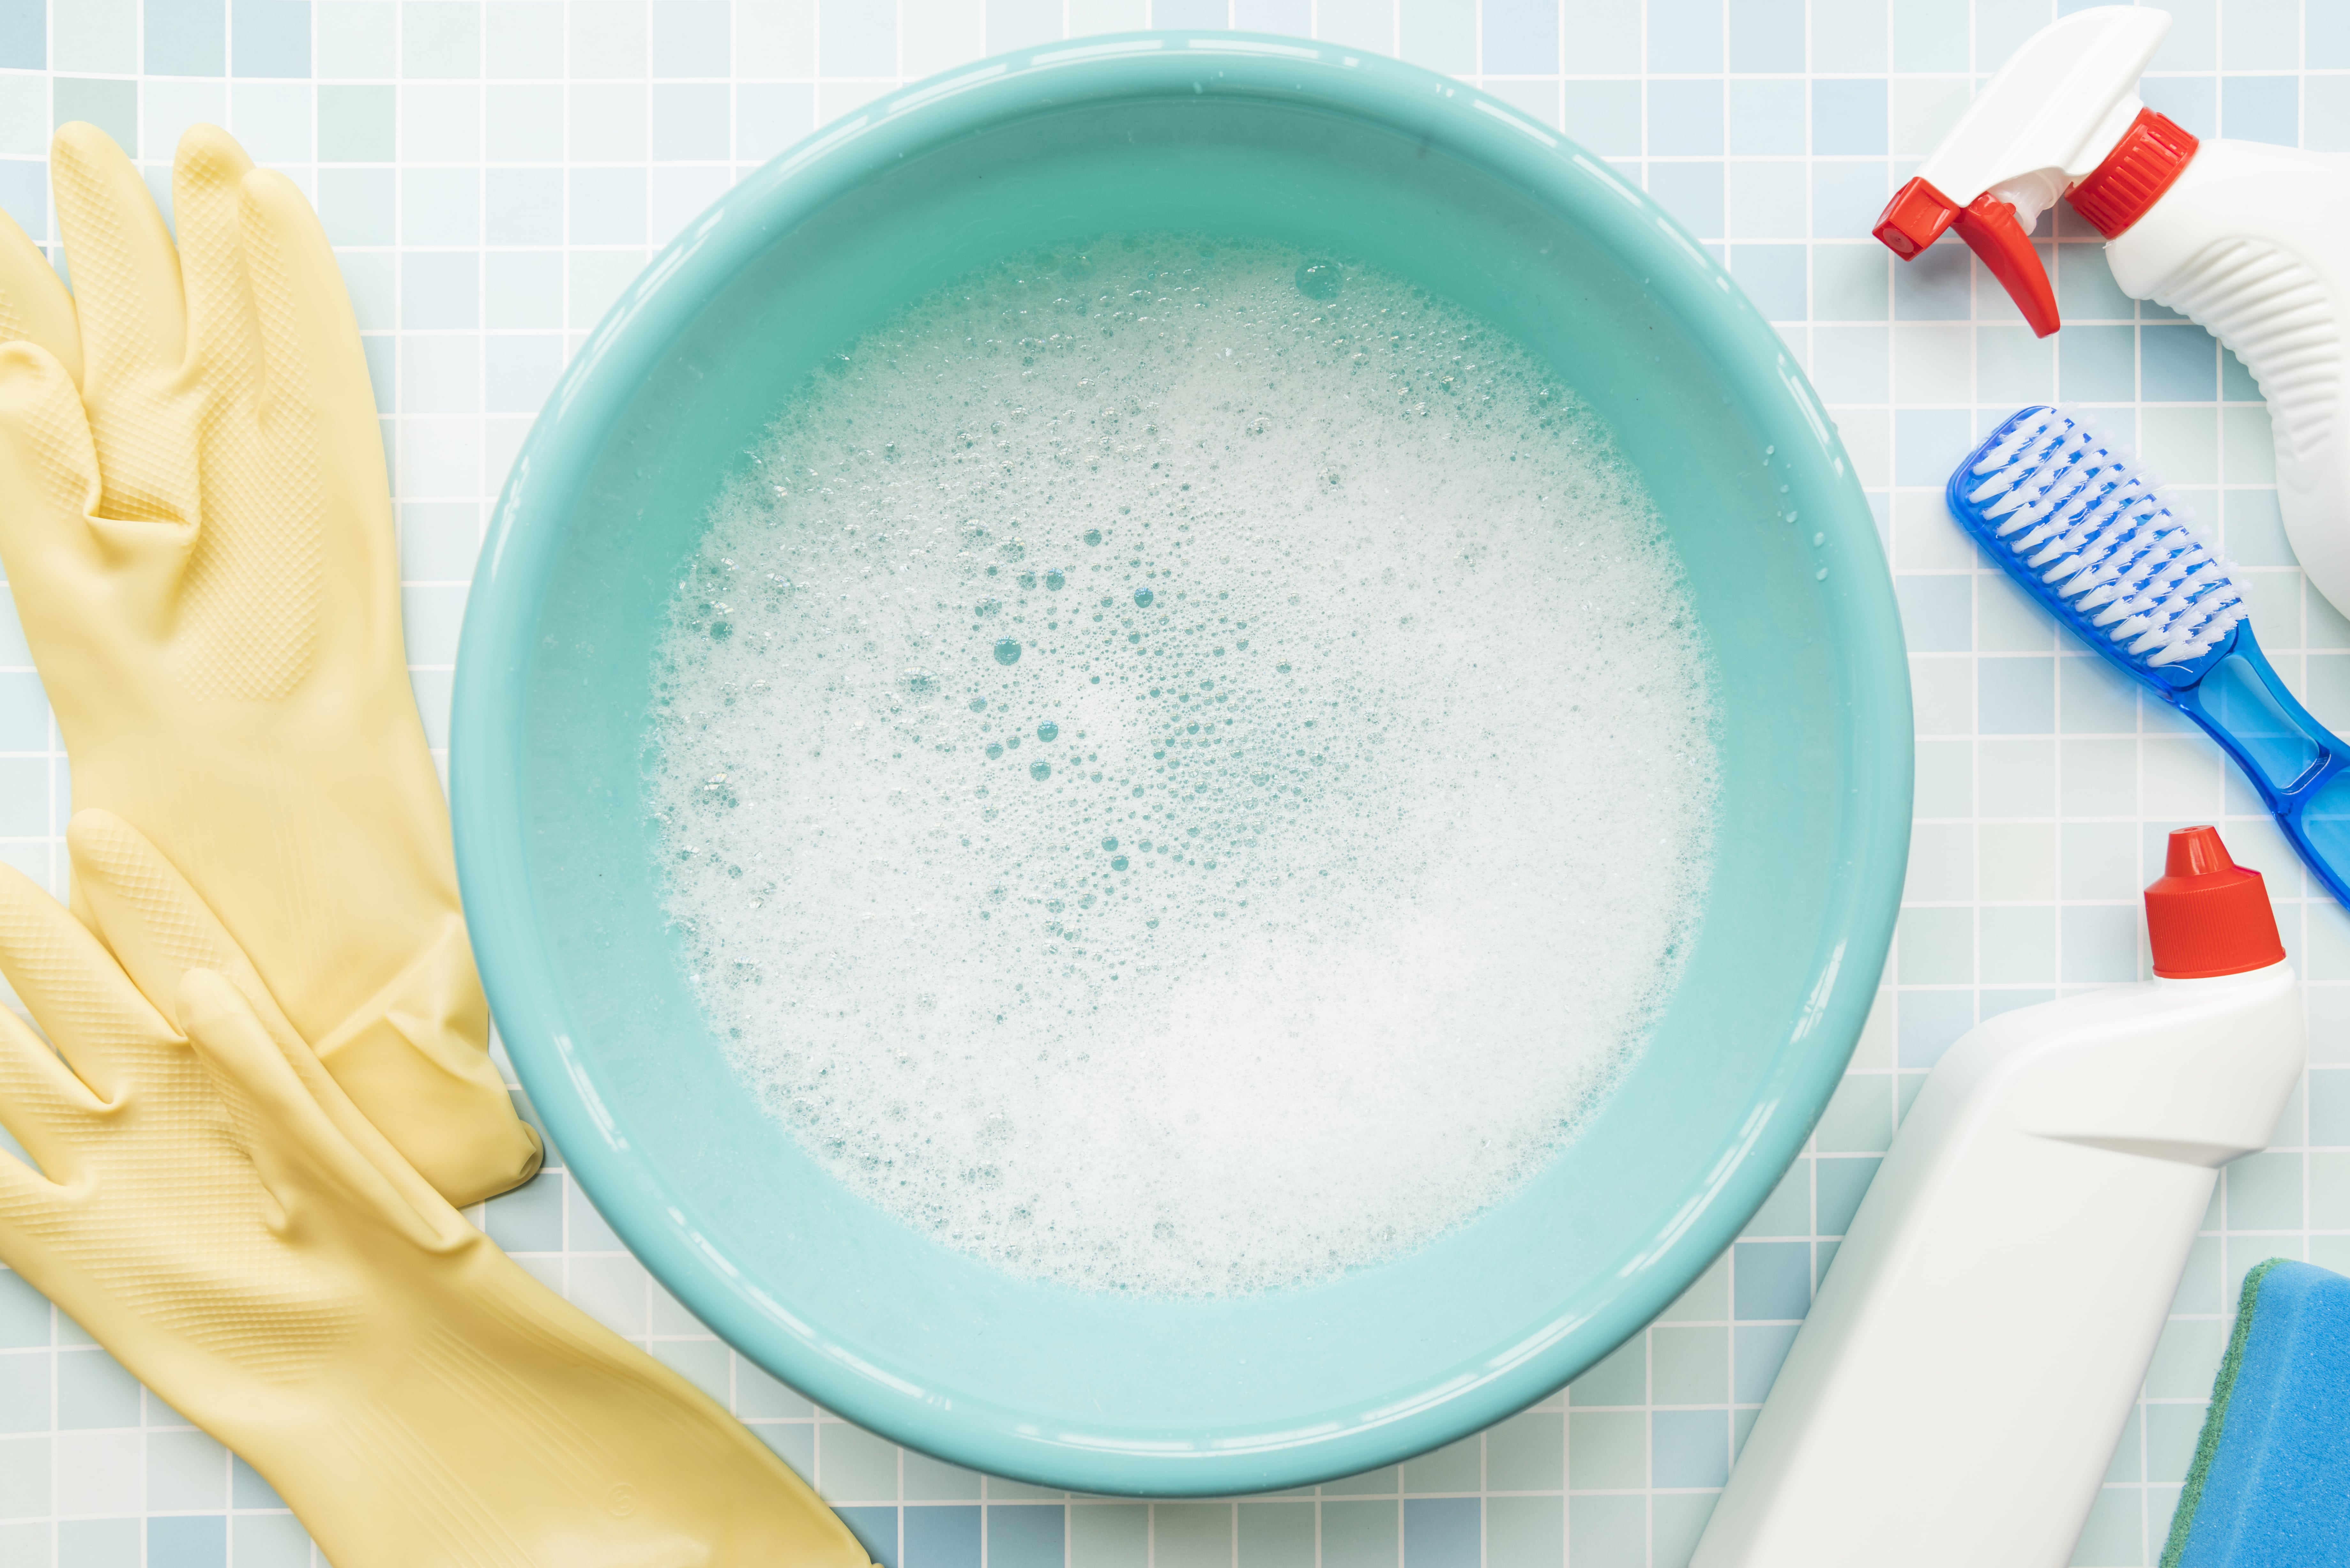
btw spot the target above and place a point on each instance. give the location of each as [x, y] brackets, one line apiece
[1956, 1393]
[2249, 240]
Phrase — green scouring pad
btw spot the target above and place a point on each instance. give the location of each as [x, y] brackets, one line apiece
[2270, 1483]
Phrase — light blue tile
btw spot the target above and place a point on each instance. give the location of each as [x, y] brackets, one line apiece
[1679, 1520]
[1692, 193]
[357, 39]
[1928, 444]
[2251, 529]
[273, 120]
[111, 106]
[187, 37]
[1034, 1535]
[2099, 859]
[1621, 1377]
[440, 39]
[1846, 199]
[2264, 1192]
[2100, 943]
[433, 690]
[2019, 945]
[188, 1542]
[2013, 367]
[1928, 38]
[679, 196]
[770, 117]
[2085, 290]
[1788, 1210]
[689, 123]
[439, 289]
[1757, 1352]
[94, 1391]
[187, 1472]
[24, 720]
[1688, 1448]
[534, 1212]
[1295, 17]
[589, 1232]
[25, 1391]
[2016, 695]
[440, 206]
[1441, 35]
[248, 1490]
[357, 206]
[23, 798]
[524, 289]
[793, 1443]
[2261, 35]
[1604, 116]
[523, 37]
[1852, 364]
[1771, 1280]
[2193, 44]
[1685, 37]
[525, 208]
[1441, 1533]
[607, 38]
[1607, 1531]
[1685, 119]
[2329, 1109]
[23, 34]
[1848, 35]
[1773, 277]
[1766, 117]
[523, 124]
[876, 1530]
[438, 375]
[1935, 287]
[758, 1397]
[2192, 101]
[1929, 1022]
[1521, 37]
[1849, 116]
[607, 123]
[1843, 1183]
[23, 1483]
[1766, 201]
[23, 1315]
[519, 372]
[270, 38]
[2325, 114]
[96, 35]
[2097, 699]
[1937, 612]
[1937, 948]
[2177, 363]
[2260, 108]
[2113, 1533]
[355, 124]
[690, 39]
[943, 1537]
[98, 1543]
[1767, 35]
[859, 40]
[268, 1540]
[701, 1362]
[608, 206]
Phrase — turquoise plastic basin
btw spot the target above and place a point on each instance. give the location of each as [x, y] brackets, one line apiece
[1334, 152]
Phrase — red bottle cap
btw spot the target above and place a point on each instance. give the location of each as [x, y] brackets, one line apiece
[1918, 214]
[2207, 916]
[2152, 153]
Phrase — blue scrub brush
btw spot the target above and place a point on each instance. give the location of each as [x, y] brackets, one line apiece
[2270, 1483]
[2088, 534]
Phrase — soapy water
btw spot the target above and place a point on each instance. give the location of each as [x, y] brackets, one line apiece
[1184, 769]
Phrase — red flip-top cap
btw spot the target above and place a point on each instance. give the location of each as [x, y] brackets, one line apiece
[1918, 214]
[2207, 916]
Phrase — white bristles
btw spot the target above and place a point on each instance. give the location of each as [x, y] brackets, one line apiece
[2092, 526]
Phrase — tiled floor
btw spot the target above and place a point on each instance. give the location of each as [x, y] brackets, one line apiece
[494, 173]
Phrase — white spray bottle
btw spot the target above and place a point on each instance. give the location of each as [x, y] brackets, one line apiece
[2251, 241]
[1954, 1395]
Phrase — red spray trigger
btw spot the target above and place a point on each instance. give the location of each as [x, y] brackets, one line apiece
[1919, 213]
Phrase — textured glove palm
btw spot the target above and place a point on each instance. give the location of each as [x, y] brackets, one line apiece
[217, 1214]
[196, 527]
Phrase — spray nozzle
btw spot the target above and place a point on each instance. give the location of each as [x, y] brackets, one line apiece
[2061, 109]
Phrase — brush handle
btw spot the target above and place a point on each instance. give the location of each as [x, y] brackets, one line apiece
[2296, 763]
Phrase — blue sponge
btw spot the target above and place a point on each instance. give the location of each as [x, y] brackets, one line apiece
[2271, 1484]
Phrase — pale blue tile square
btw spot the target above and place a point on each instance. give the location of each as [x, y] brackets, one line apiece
[438, 375]
[1849, 116]
[357, 206]
[2326, 113]
[876, 1530]
[440, 39]
[1767, 35]
[1937, 948]
[1688, 1448]
[187, 37]
[270, 38]
[1602, 36]
[1759, 1350]
[758, 1397]
[432, 616]
[433, 688]
[1771, 1280]
[523, 288]
[607, 38]
[525, 208]
[24, 1314]
[1852, 364]
[1521, 37]
[384, 369]
[2098, 699]
[96, 35]
[2178, 365]
[23, 34]
[522, 38]
[439, 290]
[1937, 612]
[2260, 108]
[1766, 201]
[94, 1391]
[2261, 35]
[248, 1490]
[2086, 289]
[679, 196]
[1692, 193]
[690, 39]
[2013, 367]
[23, 798]
[2264, 1192]
[440, 206]
[859, 40]
[23, 1484]
[1846, 199]
[1440, 1533]
[2329, 1107]
[771, 115]
[1606, 1532]
[2114, 1533]
[98, 1543]
[1927, 443]
[1441, 35]
[607, 123]
[1685, 35]
[2100, 943]
[519, 372]
[524, 123]
[1927, 1024]
[2099, 859]
[273, 120]
[188, 1542]
[701, 1362]
[1848, 35]
[1766, 117]
[1773, 277]
[2251, 529]
[793, 1443]
[355, 124]
[2192, 101]
[1621, 1377]
[2236, 383]
[1843, 1183]
[689, 123]
[111, 106]
[357, 39]
[24, 715]
[1604, 116]
[2325, 32]
[2019, 945]
[1685, 119]
[942, 1537]
[1292, 16]
[1788, 1210]
[1031, 1535]
[187, 1472]
[25, 1391]
[1928, 38]
[2015, 695]
[589, 1232]
[608, 206]
[268, 1540]
[2193, 44]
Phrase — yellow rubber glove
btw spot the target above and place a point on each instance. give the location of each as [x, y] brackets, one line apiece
[225, 1222]
[197, 530]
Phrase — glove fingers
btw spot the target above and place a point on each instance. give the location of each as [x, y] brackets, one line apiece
[274, 1089]
[224, 339]
[93, 1015]
[42, 1104]
[33, 304]
[153, 920]
[49, 470]
[134, 328]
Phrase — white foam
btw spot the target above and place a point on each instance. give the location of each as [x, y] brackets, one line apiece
[1321, 857]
